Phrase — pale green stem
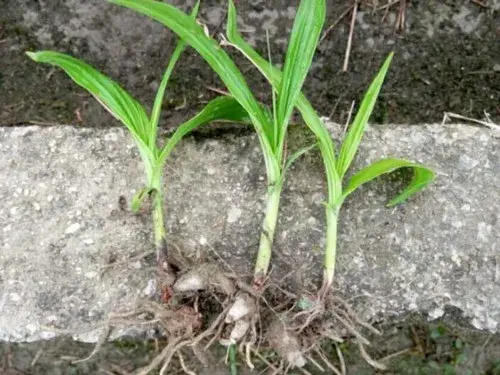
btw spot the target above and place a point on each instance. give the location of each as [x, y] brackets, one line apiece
[331, 247]
[267, 235]
[160, 234]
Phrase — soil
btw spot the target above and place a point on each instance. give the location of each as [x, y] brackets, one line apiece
[415, 346]
[447, 59]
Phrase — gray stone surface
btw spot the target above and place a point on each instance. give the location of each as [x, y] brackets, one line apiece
[61, 224]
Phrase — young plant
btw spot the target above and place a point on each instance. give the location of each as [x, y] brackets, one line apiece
[336, 166]
[144, 129]
[271, 128]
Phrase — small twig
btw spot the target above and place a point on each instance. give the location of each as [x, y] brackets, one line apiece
[170, 354]
[182, 105]
[351, 33]
[37, 357]
[416, 340]
[130, 260]
[335, 23]
[304, 371]
[481, 4]
[44, 123]
[327, 362]
[393, 355]
[351, 329]
[348, 118]
[315, 363]
[341, 359]
[102, 339]
[356, 318]
[216, 335]
[388, 5]
[218, 91]
[400, 21]
[212, 327]
[258, 355]
[248, 357]
[167, 350]
[369, 359]
[119, 370]
[488, 124]
[228, 266]
[183, 365]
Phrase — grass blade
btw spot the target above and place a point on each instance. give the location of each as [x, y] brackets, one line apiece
[297, 154]
[224, 108]
[155, 113]
[139, 198]
[194, 35]
[115, 99]
[355, 134]
[274, 76]
[303, 41]
[422, 176]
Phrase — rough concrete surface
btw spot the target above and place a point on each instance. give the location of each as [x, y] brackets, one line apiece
[61, 224]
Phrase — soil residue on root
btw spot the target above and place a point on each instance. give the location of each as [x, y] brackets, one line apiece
[208, 307]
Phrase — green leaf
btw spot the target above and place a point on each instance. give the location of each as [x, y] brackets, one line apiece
[301, 47]
[115, 99]
[223, 108]
[274, 76]
[139, 198]
[297, 154]
[155, 113]
[356, 130]
[422, 176]
[194, 35]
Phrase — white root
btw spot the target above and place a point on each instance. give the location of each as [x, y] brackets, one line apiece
[242, 307]
[202, 278]
[190, 283]
[239, 330]
[286, 344]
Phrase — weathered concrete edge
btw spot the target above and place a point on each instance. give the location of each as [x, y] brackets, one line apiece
[480, 323]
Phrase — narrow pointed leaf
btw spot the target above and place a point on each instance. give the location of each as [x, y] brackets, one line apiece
[115, 99]
[194, 35]
[155, 113]
[297, 154]
[356, 130]
[274, 76]
[223, 108]
[303, 41]
[139, 198]
[422, 176]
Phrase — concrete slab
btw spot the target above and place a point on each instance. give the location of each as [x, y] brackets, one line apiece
[61, 224]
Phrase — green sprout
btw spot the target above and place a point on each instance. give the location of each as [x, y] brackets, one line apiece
[287, 85]
[144, 129]
[336, 166]
[272, 128]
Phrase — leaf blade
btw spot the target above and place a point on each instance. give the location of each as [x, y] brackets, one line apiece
[139, 198]
[274, 76]
[297, 154]
[355, 133]
[115, 99]
[194, 35]
[155, 113]
[422, 176]
[301, 47]
[222, 108]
